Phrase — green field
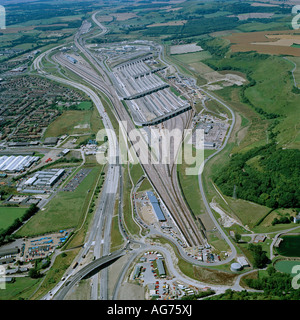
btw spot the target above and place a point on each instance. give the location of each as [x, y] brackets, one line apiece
[280, 100]
[296, 60]
[85, 105]
[64, 211]
[75, 122]
[190, 185]
[193, 57]
[23, 287]
[286, 266]
[9, 214]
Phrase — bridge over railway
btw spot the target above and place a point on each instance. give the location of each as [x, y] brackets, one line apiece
[146, 92]
[146, 73]
[167, 116]
[89, 270]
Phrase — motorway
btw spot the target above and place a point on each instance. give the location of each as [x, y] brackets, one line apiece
[86, 270]
[102, 220]
[99, 235]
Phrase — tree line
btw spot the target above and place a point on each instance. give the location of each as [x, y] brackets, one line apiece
[5, 235]
[273, 181]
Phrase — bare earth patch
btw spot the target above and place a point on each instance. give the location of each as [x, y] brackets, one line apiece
[253, 15]
[185, 48]
[214, 276]
[170, 23]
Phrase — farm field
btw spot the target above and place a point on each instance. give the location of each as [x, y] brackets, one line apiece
[171, 23]
[267, 42]
[193, 58]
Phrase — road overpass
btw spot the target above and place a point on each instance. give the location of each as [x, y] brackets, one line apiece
[146, 92]
[167, 116]
[89, 270]
[148, 72]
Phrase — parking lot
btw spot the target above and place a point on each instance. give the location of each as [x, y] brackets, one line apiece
[76, 180]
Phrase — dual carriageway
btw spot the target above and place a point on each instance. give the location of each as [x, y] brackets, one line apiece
[162, 177]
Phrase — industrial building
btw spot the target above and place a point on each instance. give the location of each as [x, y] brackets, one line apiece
[161, 268]
[235, 267]
[64, 152]
[155, 205]
[8, 252]
[209, 145]
[16, 163]
[297, 218]
[51, 141]
[71, 59]
[45, 178]
[147, 96]
[243, 261]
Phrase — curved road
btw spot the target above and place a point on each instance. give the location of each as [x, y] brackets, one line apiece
[107, 124]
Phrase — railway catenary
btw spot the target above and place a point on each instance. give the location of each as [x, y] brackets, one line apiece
[163, 177]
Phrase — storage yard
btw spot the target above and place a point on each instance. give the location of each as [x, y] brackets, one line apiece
[29, 249]
[42, 246]
[150, 271]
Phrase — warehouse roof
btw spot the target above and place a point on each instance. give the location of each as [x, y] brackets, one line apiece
[160, 266]
[159, 214]
[51, 140]
[8, 251]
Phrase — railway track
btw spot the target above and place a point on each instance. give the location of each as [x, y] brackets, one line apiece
[163, 177]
